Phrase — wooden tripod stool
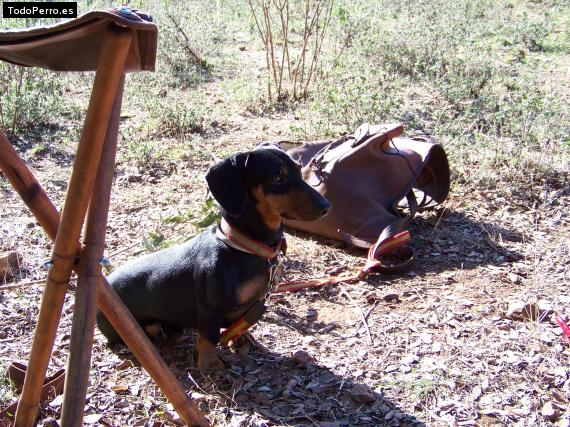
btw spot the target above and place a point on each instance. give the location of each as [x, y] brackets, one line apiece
[111, 43]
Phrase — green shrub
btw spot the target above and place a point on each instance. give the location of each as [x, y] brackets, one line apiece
[34, 100]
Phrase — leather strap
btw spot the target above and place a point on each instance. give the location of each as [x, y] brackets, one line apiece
[53, 386]
[236, 329]
[391, 241]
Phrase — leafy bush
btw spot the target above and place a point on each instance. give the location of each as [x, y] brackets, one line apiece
[34, 100]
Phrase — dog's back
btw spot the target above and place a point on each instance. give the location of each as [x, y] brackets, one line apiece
[147, 284]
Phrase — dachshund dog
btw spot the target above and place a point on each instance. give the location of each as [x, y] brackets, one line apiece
[210, 281]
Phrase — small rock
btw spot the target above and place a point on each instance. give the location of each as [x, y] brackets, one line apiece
[125, 364]
[121, 389]
[302, 357]
[551, 411]
[317, 387]
[326, 329]
[521, 311]
[56, 402]
[3, 334]
[476, 393]
[514, 278]
[135, 389]
[446, 405]
[371, 298]
[10, 263]
[559, 396]
[336, 270]
[409, 359]
[50, 422]
[242, 47]
[134, 178]
[174, 418]
[312, 313]
[310, 341]
[546, 309]
[92, 418]
[504, 327]
[391, 298]
[361, 394]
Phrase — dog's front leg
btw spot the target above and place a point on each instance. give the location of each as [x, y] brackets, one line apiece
[208, 337]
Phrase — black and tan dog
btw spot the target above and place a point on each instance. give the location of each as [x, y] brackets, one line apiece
[210, 282]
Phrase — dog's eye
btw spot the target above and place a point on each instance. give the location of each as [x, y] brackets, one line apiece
[278, 179]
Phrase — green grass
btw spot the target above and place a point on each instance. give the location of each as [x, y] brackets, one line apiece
[486, 78]
[474, 74]
[6, 386]
[422, 389]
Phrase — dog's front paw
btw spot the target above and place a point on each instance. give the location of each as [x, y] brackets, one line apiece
[210, 363]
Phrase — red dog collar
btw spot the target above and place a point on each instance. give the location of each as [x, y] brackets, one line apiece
[237, 240]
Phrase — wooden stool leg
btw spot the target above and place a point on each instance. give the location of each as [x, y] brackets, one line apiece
[110, 71]
[110, 304]
[83, 325]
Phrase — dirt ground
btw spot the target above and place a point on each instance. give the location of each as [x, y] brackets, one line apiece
[442, 344]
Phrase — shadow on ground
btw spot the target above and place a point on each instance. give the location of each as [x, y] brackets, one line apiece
[456, 242]
[290, 390]
[43, 143]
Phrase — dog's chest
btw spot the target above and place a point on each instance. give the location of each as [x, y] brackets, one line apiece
[246, 294]
[252, 289]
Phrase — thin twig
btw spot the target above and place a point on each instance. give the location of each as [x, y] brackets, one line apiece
[284, 35]
[2, 125]
[18, 91]
[319, 38]
[370, 310]
[261, 34]
[120, 251]
[201, 62]
[271, 45]
[30, 283]
[21, 285]
[362, 316]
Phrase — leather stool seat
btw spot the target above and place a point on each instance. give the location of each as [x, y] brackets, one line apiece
[74, 45]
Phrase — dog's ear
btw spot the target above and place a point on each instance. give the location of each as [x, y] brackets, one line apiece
[226, 181]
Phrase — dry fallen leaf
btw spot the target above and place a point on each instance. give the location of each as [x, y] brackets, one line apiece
[92, 418]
